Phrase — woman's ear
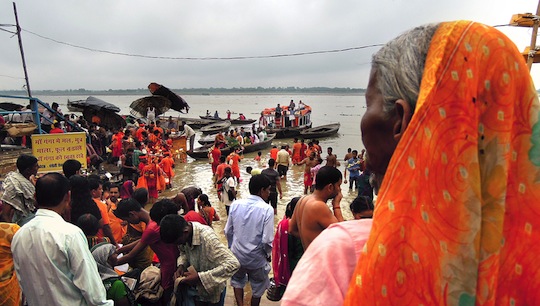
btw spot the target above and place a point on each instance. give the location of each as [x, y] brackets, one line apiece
[403, 115]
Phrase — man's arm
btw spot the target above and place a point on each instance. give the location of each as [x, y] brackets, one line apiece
[85, 272]
[268, 232]
[278, 185]
[336, 207]
[226, 266]
[139, 247]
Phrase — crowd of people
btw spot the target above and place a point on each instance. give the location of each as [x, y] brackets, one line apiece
[451, 151]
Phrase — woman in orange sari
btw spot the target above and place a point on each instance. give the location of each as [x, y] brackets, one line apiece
[10, 292]
[458, 214]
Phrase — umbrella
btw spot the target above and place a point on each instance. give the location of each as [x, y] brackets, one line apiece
[177, 102]
[108, 119]
[139, 107]
[94, 103]
[9, 106]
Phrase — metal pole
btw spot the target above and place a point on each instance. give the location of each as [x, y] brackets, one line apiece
[530, 59]
[21, 48]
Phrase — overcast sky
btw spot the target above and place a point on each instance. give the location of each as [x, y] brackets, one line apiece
[232, 28]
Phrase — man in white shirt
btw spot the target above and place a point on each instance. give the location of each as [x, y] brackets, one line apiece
[53, 263]
[190, 134]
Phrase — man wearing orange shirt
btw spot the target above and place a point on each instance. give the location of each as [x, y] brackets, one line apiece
[167, 164]
[273, 152]
[96, 189]
[117, 225]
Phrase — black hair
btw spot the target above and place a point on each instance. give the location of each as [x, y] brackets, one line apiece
[162, 208]
[25, 162]
[140, 195]
[327, 175]
[258, 182]
[171, 228]
[204, 198]
[94, 184]
[271, 162]
[249, 169]
[70, 167]
[51, 189]
[124, 207]
[89, 224]
[291, 206]
[361, 204]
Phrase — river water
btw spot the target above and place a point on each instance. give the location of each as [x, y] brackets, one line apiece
[345, 109]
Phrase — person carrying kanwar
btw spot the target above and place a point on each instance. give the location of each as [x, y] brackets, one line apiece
[167, 164]
[234, 160]
[152, 179]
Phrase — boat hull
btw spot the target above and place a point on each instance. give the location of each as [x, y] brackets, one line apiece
[202, 152]
[320, 131]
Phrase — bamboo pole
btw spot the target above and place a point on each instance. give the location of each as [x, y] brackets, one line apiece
[22, 51]
[530, 59]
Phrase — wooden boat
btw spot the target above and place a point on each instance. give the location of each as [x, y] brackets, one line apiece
[202, 152]
[320, 131]
[233, 121]
[194, 123]
[207, 139]
[283, 126]
[216, 127]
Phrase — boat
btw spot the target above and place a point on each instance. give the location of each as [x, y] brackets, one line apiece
[216, 127]
[320, 131]
[233, 121]
[283, 126]
[202, 152]
[206, 139]
[194, 123]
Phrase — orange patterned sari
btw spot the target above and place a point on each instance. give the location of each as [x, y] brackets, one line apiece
[10, 292]
[457, 220]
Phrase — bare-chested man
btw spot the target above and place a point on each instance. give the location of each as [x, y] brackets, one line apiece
[310, 161]
[331, 159]
[311, 215]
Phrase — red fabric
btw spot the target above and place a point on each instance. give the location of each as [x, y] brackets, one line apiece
[167, 253]
[280, 253]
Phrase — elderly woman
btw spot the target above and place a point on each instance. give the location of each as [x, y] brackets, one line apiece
[452, 123]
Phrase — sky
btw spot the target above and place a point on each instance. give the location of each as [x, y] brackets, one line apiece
[57, 36]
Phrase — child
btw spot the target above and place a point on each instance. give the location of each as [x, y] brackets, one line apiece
[258, 157]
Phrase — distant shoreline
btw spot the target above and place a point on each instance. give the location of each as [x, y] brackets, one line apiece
[195, 91]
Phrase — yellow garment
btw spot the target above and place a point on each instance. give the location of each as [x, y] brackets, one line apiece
[457, 221]
[10, 292]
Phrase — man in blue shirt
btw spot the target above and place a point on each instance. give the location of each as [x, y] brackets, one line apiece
[353, 166]
[250, 231]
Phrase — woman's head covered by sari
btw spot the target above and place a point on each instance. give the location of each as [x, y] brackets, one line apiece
[126, 190]
[102, 253]
[452, 123]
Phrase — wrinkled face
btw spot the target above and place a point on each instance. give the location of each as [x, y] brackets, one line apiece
[377, 130]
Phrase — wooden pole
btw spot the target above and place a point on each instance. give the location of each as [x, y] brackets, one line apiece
[530, 59]
[22, 52]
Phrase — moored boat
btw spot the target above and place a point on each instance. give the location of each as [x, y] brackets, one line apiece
[320, 131]
[216, 127]
[202, 152]
[233, 121]
[287, 125]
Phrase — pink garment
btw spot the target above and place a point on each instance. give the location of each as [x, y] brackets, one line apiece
[280, 253]
[322, 276]
[127, 190]
[167, 253]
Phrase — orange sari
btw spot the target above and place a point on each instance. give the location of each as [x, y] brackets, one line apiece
[457, 221]
[10, 292]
